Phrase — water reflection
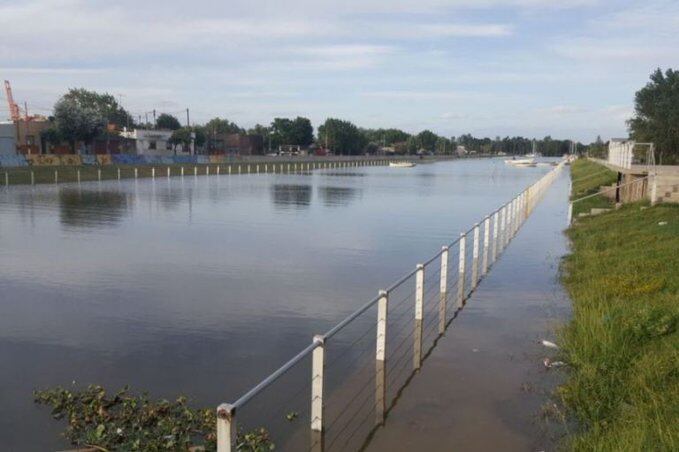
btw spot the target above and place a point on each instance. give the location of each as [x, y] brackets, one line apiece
[295, 195]
[87, 209]
[338, 196]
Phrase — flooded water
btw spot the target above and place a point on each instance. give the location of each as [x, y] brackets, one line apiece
[204, 285]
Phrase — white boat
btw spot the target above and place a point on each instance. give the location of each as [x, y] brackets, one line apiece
[521, 162]
[401, 164]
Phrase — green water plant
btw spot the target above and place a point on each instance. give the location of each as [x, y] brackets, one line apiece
[124, 421]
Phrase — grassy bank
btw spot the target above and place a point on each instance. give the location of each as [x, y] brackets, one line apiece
[587, 177]
[622, 344]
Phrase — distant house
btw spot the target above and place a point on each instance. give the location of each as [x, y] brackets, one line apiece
[28, 133]
[157, 142]
[240, 144]
[8, 138]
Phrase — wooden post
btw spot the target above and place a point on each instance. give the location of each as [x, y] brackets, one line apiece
[486, 243]
[461, 269]
[380, 357]
[419, 311]
[475, 257]
[443, 290]
[317, 365]
[226, 428]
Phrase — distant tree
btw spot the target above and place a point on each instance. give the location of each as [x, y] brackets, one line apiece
[201, 135]
[181, 136]
[656, 108]
[298, 131]
[105, 105]
[222, 126]
[342, 137]
[167, 122]
[76, 121]
[427, 140]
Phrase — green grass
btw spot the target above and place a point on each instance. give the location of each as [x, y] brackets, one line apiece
[622, 344]
[587, 177]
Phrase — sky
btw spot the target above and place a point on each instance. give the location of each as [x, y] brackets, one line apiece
[565, 68]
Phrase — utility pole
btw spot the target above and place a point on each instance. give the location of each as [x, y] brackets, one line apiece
[154, 118]
[188, 123]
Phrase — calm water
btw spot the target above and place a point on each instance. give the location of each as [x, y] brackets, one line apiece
[202, 286]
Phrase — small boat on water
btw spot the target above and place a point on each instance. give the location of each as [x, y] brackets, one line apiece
[521, 162]
[401, 164]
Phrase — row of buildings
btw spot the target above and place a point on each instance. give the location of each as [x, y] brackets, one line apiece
[26, 137]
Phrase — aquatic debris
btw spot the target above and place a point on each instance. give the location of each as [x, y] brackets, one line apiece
[549, 344]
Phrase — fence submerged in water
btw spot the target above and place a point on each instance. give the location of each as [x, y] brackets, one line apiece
[322, 397]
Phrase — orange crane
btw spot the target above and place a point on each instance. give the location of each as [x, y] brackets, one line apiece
[13, 107]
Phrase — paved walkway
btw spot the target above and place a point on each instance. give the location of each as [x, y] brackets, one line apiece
[484, 386]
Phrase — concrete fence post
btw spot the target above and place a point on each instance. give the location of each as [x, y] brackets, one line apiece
[77, 176]
[486, 243]
[419, 311]
[207, 170]
[475, 257]
[99, 174]
[461, 270]
[496, 232]
[6, 179]
[153, 173]
[317, 367]
[503, 228]
[380, 357]
[168, 172]
[181, 171]
[569, 219]
[56, 176]
[118, 173]
[443, 290]
[33, 177]
[226, 428]
[654, 189]
[248, 168]
[195, 171]
[136, 173]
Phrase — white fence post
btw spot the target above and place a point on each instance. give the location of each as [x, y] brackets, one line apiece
[496, 232]
[443, 290]
[226, 428]
[153, 173]
[475, 257]
[317, 365]
[654, 189]
[486, 243]
[380, 357]
[419, 303]
[570, 213]
[461, 270]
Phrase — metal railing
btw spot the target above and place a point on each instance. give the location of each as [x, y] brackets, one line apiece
[324, 397]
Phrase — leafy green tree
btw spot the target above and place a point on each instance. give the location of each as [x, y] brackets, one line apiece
[342, 137]
[181, 136]
[427, 140]
[298, 131]
[76, 121]
[201, 135]
[167, 122]
[217, 126]
[105, 105]
[656, 108]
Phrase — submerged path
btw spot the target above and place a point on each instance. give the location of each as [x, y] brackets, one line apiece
[485, 387]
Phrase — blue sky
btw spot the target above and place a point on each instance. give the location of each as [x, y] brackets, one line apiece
[567, 68]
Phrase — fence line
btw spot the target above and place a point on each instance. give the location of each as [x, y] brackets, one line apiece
[415, 309]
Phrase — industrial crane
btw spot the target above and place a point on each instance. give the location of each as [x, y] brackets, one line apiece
[13, 107]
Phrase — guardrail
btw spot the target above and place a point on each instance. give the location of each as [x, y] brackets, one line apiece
[356, 370]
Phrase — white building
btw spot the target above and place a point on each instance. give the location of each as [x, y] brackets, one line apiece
[157, 142]
[8, 138]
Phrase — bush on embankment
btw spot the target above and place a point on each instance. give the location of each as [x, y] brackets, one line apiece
[588, 177]
[622, 344]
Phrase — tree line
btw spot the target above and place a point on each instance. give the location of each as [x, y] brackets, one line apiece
[82, 116]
